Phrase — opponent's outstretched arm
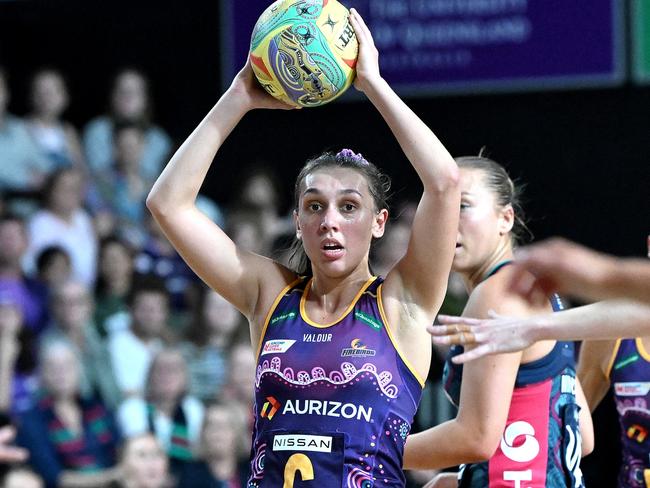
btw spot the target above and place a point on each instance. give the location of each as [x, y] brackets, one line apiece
[564, 267]
[609, 319]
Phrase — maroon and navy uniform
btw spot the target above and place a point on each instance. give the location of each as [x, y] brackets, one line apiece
[541, 445]
[333, 402]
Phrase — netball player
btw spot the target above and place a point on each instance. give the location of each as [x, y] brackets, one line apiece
[341, 354]
[518, 413]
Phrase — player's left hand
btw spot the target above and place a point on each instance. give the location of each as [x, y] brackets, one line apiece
[368, 59]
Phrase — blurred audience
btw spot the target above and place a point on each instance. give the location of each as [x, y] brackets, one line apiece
[120, 190]
[23, 166]
[257, 203]
[133, 342]
[71, 440]
[166, 409]
[206, 343]
[18, 382]
[130, 102]
[241, 382]
[53, 267]
[63, 221]
[158, 257]
[58, 140]
[72, 323]
[13, 245]
[143, 464]
[114, 281]
[223, 458]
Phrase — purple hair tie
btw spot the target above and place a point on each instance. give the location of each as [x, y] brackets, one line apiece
[350, 154]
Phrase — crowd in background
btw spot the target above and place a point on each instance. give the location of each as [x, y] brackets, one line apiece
[118, 367]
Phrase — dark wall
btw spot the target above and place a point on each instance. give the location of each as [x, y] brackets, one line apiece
[584, 155]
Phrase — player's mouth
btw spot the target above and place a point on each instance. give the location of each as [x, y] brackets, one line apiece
[332, 249]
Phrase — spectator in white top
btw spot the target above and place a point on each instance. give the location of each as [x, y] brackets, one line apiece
[64, 222]
[132, 349]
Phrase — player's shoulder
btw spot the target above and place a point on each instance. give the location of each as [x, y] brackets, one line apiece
[494, 294]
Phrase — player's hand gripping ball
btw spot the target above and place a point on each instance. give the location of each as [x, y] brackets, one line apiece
[304, 52]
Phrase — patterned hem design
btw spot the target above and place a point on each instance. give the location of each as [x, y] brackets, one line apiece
[348, 373]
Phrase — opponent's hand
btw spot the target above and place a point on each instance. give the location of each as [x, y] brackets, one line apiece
[368, 59]
[248, 90]
[10, 454]
[490, 336]
[558, 266]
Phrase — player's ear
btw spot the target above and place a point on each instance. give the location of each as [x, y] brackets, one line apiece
[297, 224]
[506, 219]
[379, 224]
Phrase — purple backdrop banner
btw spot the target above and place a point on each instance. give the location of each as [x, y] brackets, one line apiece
[435, 46]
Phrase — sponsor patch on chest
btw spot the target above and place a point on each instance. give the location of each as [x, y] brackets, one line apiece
[637, 388]
[277, 346]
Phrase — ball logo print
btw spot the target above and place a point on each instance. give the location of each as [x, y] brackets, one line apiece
[304, 52]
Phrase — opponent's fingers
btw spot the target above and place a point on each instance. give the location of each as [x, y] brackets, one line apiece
[10, 453]
[472, 354]
[7, 434]
[439, 330]
[452, 319]
[13, 454]
[447, 329]
[464, 338]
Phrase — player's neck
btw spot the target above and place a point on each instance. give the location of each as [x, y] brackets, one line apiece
[503, 253]
[330, 294]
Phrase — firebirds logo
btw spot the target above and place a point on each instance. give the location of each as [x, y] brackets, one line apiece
[358, 349]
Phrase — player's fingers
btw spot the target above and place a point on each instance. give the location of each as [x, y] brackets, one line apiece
[360, 27]
[364, 26]
[358, 30]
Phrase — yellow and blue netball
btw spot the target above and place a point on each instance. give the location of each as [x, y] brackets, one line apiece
[304, 52]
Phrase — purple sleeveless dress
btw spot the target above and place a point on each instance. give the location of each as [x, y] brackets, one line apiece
[629, 374]
[333, 402]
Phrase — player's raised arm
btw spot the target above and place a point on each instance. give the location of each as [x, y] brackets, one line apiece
[422, 273]
[235, 274]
